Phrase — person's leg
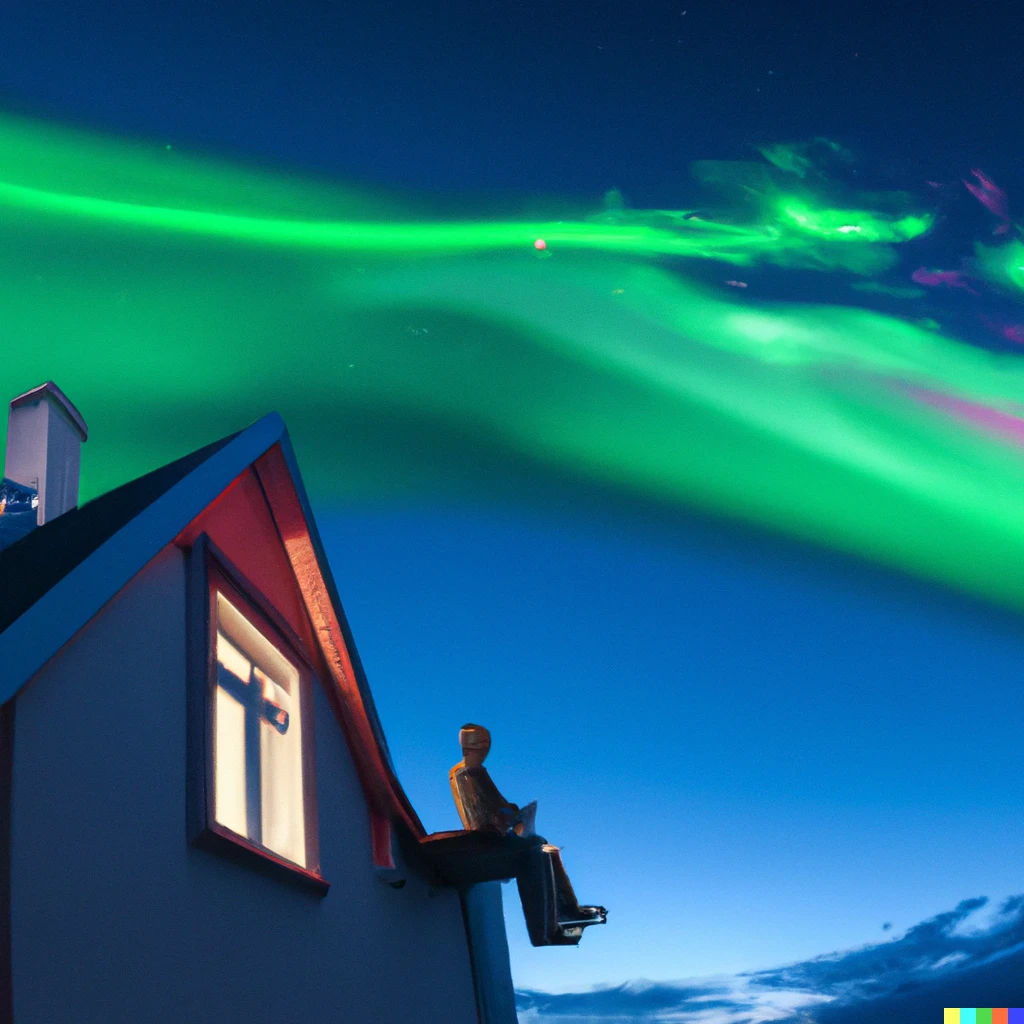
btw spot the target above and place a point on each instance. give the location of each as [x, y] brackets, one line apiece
[536, 884]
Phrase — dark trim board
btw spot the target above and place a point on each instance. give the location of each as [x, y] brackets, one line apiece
[6, 807]
[197, 630]
[223, 841]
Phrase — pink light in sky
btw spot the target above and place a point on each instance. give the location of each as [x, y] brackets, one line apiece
[540, 244]
[944, 278]
[991, 196]
[1011, 332]
[993, 421]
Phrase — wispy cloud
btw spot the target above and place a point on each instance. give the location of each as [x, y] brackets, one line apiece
[962, 957]
[702, 1001]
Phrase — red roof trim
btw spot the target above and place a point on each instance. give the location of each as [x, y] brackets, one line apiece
[380, 834]
[383, 791]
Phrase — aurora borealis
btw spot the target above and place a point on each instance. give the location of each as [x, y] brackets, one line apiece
[176, 298]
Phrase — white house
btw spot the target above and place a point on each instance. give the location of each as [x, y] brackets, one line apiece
[199, 817]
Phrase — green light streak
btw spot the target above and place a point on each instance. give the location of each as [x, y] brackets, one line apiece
[855, 225]
[1002, 265]
[798, 159]
[643, 233]
[175, 299]
[363, 236]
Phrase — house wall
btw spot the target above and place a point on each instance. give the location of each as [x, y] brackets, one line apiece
[116, 918]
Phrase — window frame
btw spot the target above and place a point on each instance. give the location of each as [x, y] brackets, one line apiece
[210, 571]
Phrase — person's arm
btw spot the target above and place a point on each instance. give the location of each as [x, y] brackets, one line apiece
[482, 803]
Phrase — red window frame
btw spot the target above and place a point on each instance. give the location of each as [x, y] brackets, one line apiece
[209, 572]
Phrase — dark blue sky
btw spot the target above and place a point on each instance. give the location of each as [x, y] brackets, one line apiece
[529, 95]
[752, 752]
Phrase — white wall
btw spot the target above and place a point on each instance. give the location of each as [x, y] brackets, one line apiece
[116, 919]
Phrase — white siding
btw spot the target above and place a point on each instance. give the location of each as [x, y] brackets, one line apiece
[115, 918]
[43, 452]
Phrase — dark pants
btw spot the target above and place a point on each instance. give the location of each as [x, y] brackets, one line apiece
[549, 903]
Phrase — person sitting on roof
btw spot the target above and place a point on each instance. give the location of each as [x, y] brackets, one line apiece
[479, 803]
[553, 914]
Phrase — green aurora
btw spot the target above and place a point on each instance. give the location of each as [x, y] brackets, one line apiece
[177, 298]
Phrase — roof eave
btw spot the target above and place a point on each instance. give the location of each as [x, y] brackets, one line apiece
[43, 629]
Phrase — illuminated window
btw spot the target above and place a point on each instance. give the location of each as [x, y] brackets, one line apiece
[254, 793]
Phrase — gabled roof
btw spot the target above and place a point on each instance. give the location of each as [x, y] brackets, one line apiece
[60, 575]
[42, 558]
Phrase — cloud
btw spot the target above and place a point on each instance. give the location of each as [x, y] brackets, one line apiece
[704, 1001]
[960, 957]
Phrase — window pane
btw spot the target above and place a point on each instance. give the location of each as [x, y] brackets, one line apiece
[229, 762]
[262, 707]
[281, 773]
[232, 659]
[253, 644]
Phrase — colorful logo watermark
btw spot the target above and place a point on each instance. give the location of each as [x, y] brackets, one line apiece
[983, 1015]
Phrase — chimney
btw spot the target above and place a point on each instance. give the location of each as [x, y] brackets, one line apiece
[44, 441]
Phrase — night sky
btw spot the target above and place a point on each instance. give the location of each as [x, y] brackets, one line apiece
[753, 751]
[553, 98]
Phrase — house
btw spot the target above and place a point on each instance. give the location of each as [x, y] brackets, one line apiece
[199, 816]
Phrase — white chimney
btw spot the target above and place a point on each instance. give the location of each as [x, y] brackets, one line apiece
[44, 442]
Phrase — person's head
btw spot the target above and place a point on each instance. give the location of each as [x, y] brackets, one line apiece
[475, 741]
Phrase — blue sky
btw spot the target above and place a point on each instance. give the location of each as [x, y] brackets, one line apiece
[767, 752]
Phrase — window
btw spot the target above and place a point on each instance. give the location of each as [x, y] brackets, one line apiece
[251, 730]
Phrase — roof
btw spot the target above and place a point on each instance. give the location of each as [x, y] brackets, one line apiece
[48, 553]
[60, 575]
